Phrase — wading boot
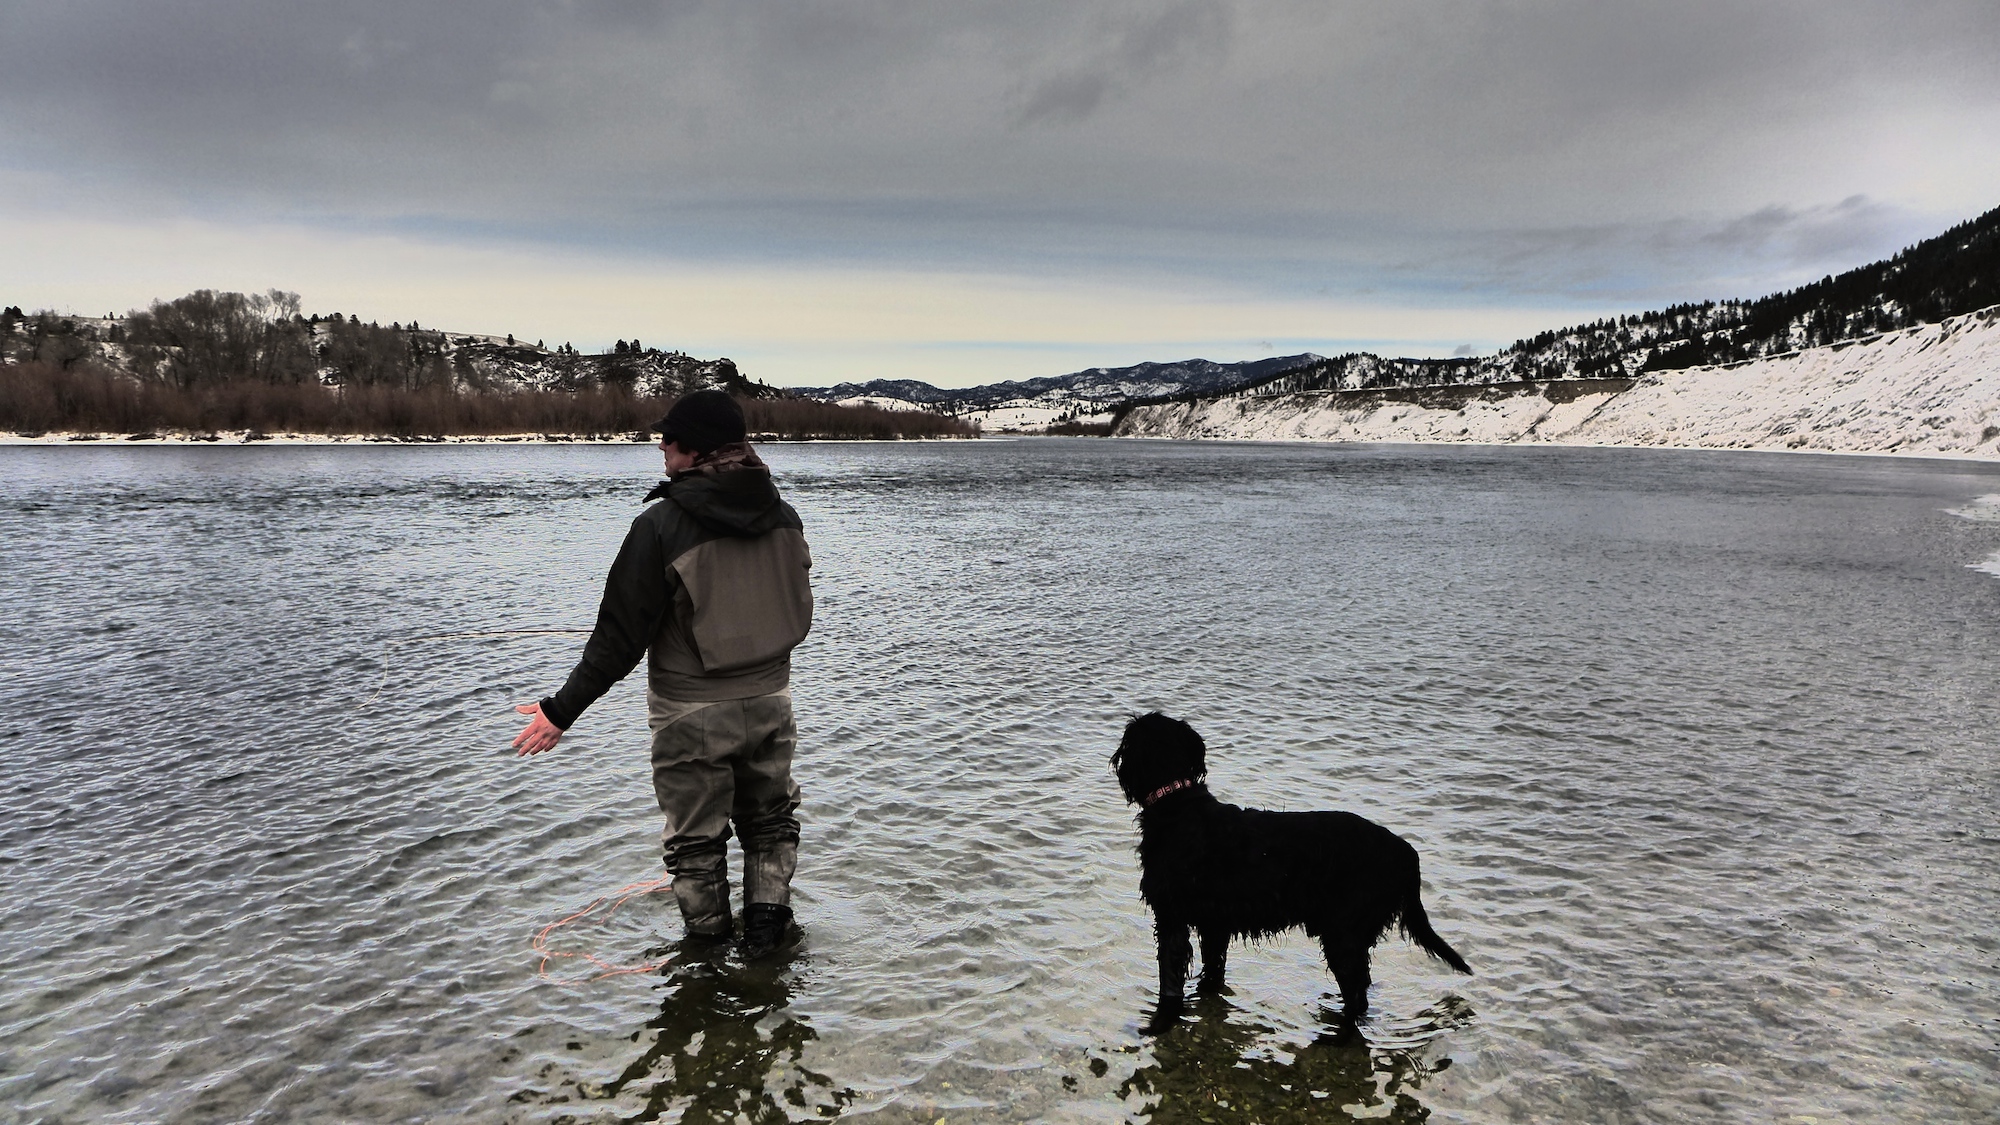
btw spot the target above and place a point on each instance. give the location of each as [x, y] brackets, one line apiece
[766, 927]
[704, 901]
[769, 858]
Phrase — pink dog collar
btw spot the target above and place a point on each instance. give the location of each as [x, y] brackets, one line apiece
[1147, 801]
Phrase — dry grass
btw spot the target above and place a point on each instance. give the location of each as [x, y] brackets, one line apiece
[39, 398]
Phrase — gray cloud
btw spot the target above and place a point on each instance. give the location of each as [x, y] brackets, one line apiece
[1674, 259]
[1454, 145]
[626, 15]
[1129, 52]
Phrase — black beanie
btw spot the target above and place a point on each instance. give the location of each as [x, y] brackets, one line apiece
[703, 422]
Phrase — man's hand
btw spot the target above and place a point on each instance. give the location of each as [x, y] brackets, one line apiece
[540, 734]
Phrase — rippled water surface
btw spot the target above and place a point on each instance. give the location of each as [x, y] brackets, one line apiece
[1699, 750]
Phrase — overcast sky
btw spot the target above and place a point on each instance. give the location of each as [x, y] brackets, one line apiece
[843, 189]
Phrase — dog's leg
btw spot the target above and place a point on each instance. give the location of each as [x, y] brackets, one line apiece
[1214, 958]
[1350, 968]
[1175, 953]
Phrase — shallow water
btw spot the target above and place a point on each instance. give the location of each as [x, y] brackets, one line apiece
[1699, 750]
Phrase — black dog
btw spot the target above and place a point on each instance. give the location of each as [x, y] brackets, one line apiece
[1234, 872]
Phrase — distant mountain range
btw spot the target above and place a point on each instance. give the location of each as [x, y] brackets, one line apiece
[1033, 403]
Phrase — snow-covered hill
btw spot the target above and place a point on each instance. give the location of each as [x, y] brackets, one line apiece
[1931, 389]
[1087, 396]
[1955, 273]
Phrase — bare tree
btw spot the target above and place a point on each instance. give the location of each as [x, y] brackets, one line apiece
[209, 337]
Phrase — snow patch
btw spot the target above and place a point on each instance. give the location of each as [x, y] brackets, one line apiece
[1985, 509]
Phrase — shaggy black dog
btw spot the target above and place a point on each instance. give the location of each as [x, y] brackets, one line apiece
[1233, 872]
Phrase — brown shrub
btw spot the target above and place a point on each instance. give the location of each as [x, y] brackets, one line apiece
[44, 398]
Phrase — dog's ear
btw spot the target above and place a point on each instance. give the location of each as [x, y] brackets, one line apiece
[1133, 761]
[1121, 758]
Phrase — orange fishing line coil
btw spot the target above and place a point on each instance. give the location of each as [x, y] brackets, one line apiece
[607, 969]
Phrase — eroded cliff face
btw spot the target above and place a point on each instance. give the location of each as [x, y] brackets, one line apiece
[1933, 389]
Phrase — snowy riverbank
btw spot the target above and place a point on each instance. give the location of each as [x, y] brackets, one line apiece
[1932, 390]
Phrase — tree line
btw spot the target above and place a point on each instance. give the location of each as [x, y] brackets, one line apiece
[219, 361]
[208, 337]
[41, 398]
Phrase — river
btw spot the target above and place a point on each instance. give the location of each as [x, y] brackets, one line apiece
[1699, 750]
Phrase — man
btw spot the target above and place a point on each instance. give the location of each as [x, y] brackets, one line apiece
[711, 581]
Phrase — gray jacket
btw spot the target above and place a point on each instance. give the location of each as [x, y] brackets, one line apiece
[712, 583]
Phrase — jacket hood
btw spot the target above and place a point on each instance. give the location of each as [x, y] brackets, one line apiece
[741, 502]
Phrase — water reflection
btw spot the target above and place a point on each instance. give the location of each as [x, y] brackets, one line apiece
[725, 1046]
[1218, 1066]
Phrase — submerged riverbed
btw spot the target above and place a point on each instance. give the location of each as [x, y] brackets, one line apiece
[1698, 749]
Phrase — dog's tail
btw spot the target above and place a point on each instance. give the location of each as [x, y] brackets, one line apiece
[1417, 927]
